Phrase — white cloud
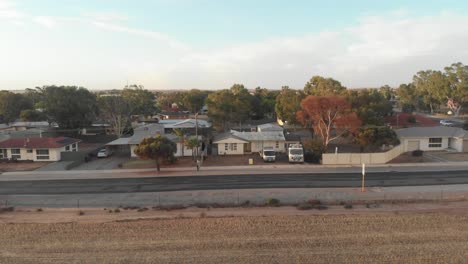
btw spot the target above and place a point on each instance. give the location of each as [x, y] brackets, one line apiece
[9, 13]
[46, 21]
[379, 50]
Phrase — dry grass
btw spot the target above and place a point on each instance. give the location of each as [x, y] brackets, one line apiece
[403, 238]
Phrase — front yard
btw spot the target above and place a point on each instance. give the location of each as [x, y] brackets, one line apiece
[21, 166]
[231, 160]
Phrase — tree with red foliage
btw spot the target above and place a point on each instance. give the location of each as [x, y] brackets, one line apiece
[326, 114]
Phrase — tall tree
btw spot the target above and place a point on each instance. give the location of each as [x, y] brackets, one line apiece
[288, 102]
[141, 101]
[387, 92]
[69, 106]
[157, 148]
[180, 133]
[30, 115]
[194, 100]
[408, 98]
[370, 105]
[320, 86]
[263, 103]
[11, 105]
[457, 75]
[115, 110]
[432, 87]
[329, 116]
[229, 106]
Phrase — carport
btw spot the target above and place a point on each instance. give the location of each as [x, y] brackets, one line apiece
[120, 147]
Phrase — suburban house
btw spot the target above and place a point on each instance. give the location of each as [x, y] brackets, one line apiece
[22, 125]
[37, 149]
[128, 145]
[188, 125]
[433, 138]
[238, 143]
[269, 127]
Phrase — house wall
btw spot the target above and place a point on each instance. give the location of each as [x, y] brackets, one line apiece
[360, 158]
[457, 143]
[132, 151]
[222, 149]
[187, 152]
[257, 146]
[424, 143]
[54, 154]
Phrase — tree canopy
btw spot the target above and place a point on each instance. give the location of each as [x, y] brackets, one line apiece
[11, 105]
[320, 86]
[157, 148]
[69, 106]
[140, 100]
[117, 111]
[328, 114]
[287, 104]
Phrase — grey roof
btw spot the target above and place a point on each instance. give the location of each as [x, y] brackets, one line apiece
[226, 135]
[119, 141]
[186, 123]
[269, 127]
[144, 131]
[438, 131]
[260, 136]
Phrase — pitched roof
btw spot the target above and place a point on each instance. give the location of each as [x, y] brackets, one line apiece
[32, 143]
[186, 123]
[227, 135]
[148, 130]
[439, 131]
[269, 127]
[260, 136]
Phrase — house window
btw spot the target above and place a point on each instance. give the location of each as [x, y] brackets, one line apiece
[234, 146]
[435, 142]
[3, 154]
[277, 144]
[15, 154]
[29, 151]
[226, 146]
[74, 146]
[42, 154]
[67, 148]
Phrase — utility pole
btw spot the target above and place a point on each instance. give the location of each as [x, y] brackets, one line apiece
[363, 176]
[196, 136]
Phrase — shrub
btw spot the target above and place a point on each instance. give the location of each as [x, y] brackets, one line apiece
[411, 119]
[304, 206]
[417, 153]
[110, 211]
[39, 210]
[321, 207]
[273, 202]
[7, 209]
[117, 210]
[202, 215]
[313, 150]
[348, 206]
[81, 212]
[314, 202]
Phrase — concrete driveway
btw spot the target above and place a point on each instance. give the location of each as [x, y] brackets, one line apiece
[108, 163]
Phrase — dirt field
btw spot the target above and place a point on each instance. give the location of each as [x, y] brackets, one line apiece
[397, 237]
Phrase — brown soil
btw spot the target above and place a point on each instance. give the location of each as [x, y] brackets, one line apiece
[411, 237]
[21, 166]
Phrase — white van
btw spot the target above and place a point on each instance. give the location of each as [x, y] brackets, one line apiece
[295, 153]
[268, 154]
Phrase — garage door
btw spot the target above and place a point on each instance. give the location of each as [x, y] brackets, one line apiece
[465, 145]
[413, 145]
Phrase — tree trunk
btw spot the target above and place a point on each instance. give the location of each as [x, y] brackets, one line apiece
[158, 167]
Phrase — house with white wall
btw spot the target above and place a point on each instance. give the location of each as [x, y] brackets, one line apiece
[150, 130]
[37, 149]
[433, 138]
[238, 143]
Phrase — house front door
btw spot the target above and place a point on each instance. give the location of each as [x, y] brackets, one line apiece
[247, 147]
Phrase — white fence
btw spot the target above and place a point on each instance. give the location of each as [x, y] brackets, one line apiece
[359, 158]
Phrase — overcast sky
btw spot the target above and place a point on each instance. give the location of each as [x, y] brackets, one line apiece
[210, 44]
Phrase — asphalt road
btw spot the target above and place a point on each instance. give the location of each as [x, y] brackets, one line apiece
[186, 183]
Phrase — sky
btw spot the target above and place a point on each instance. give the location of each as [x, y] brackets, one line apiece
[210, 44]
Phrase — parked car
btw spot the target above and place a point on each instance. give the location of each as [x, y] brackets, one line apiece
[103, 153]
[445, 122]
